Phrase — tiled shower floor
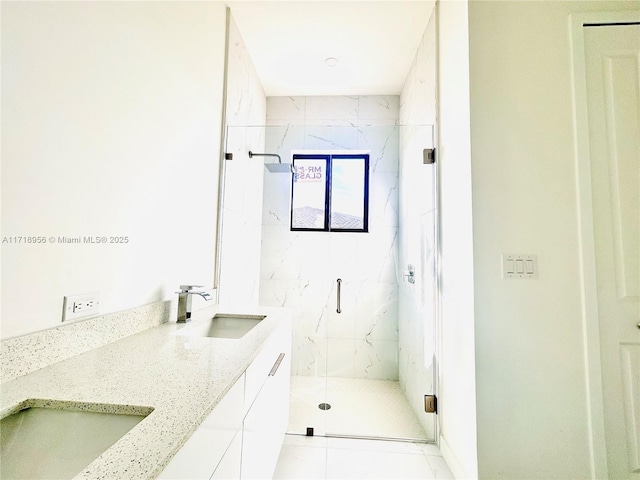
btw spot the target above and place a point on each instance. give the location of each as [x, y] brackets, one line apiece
[359, 408]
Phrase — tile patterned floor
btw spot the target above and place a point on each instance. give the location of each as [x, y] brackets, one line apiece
[359, 407]
[342, 458]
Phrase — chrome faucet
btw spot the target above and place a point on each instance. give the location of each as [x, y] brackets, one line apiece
[184, 301]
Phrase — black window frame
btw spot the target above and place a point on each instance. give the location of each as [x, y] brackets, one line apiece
[328, 158]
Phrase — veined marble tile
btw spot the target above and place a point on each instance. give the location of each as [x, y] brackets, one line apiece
[276, 208]
[345, 137]
[278, 260]
[425, 78]
[323, 137]
[342, 256]
[425, 183]
[310, 252]
[235, 169]
[383, 141]
[246, 102]
[377, 311]
[341, 357]
[242, 211]
[309, 356]
[379, 107]
[376, 359]
[273, 293]
[255, 142]
[284, 139]
[332, 109]
[407, 104]
[240, 262]
[307, 264]
[309, 302]
[377, 255]
[289, 109]
[383, 199]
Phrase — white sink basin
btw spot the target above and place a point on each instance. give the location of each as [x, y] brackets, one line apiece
[223, 325]
[58, 442]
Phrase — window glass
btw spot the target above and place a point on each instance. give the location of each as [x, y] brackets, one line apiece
[347, 193]
[330, 193]
[308, 206]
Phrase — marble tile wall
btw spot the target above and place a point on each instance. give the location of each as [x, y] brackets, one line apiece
[299, 269]
[417, 302]
[242, 204]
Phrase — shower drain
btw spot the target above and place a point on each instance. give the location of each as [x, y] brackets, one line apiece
[324, 406]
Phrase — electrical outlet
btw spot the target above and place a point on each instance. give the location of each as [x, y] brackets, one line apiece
[80, 306]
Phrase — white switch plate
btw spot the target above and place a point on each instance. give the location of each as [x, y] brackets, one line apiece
[519, 265]
[80, 306]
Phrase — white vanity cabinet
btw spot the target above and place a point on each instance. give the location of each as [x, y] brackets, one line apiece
[242, 436]
[267, 407]
[206, 447]
[229, 466]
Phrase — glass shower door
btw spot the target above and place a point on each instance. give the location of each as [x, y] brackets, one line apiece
[353, 371]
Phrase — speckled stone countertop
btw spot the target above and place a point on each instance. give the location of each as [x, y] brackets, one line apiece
[182, 378]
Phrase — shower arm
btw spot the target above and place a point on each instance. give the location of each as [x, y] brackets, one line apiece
[251, 155]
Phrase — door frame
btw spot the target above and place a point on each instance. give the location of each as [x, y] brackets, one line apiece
[590, 320]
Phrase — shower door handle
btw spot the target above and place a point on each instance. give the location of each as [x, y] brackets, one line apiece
[338, 295]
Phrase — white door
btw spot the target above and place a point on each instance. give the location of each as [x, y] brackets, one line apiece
[612, 55]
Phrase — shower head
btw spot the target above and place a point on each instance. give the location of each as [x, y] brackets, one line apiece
[278, 167]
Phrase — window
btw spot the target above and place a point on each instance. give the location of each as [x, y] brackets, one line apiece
[330, 193]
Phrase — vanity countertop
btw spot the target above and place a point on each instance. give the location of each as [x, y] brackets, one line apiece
[181, 377]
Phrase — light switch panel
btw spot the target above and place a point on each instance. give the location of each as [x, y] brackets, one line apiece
[519, 265]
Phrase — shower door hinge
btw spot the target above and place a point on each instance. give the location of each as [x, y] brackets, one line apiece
[228, 156]
[430, 404]
[429, 156]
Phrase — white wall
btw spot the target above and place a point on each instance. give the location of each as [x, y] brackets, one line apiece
[457, 406]
[299, 269]
[242, 203]
[530, 366]
[110, 127]
[417, 301]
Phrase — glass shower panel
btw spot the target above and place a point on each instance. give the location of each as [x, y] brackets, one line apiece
[353, 372]
[241, 210]
[418, 301]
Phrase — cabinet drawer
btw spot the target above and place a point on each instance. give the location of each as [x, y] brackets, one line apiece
[266, 423]
[229, 466]
[258, 371]
[199, 457]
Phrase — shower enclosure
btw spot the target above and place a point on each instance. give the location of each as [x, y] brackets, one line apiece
[360, 368]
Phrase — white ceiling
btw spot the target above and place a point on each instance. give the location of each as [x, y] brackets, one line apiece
[374, 42]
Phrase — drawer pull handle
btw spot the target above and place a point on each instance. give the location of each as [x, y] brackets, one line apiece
[276, 365]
